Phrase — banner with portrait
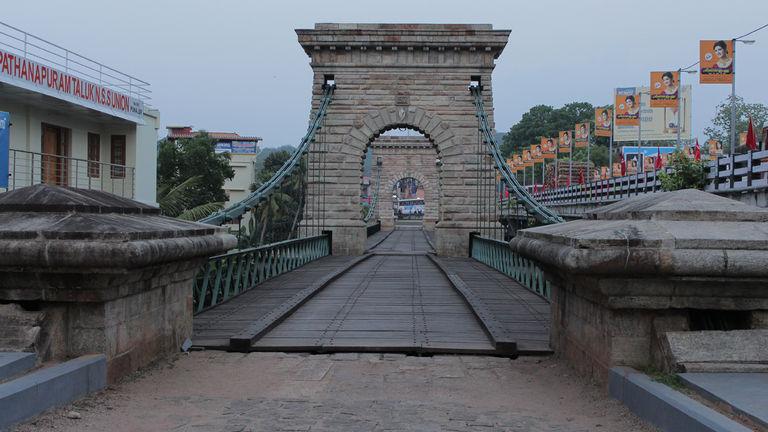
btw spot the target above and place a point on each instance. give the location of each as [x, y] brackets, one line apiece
[617, 169]
[665, 88]
[627, 105]
[537, 153]
[549, 147]
[716, 61]
[604, 175]
[658, 124]
[582, 135]
[715, 149]
[603, 122]
[564, 141]
[519, 162]
[527, 159]
[511, 164]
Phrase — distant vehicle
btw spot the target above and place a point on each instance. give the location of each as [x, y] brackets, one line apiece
[410, 208]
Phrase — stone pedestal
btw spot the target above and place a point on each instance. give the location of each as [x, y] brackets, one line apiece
[100, 274]
[637, 269]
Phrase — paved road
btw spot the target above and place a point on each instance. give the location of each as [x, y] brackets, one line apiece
[220, 391]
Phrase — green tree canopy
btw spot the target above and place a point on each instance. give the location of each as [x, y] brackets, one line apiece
[544, 120]
[721, 124]
[184, 159]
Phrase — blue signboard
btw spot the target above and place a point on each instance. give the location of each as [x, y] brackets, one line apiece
[5, 142]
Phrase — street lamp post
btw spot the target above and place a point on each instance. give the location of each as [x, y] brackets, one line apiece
[733, 91]
[680, 100]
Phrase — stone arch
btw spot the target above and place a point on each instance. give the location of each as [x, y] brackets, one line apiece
[368, 127]
[431, 197]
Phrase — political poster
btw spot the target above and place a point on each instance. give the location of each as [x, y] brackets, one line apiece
[716, 61]
[627, 105]
[603, 122]
[564, 141]
[664, 89]
[582, 135]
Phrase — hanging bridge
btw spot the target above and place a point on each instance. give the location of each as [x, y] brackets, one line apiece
[339, 282]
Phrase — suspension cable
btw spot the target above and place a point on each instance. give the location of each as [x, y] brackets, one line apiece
[254, 198]
[542, 213]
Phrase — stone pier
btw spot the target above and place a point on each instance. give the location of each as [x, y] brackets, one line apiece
[639, 270]
[87, 272]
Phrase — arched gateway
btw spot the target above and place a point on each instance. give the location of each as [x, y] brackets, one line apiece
[403, 75]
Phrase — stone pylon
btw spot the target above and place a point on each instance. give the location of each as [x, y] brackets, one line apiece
[403, 76]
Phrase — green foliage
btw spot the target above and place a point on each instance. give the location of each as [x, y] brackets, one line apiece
[686, 173]
[721, 124]
[277, 217]
[668, 379]
[544, 120]
[178, 162]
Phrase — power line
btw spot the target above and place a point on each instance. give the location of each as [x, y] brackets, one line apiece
[753, 31]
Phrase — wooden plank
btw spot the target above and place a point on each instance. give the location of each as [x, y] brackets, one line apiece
[242, 341]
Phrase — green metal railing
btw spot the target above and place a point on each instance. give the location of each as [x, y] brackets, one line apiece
[252, 200]
[497, 254]
[541, 212]
[225, 276]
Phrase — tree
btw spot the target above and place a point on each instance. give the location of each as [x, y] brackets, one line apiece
[721, 124]
[543, 120]
[686, 173]
[180, 161]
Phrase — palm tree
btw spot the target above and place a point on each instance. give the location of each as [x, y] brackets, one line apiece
[174, 201]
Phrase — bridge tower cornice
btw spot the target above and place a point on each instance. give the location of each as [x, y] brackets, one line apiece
[403, 44]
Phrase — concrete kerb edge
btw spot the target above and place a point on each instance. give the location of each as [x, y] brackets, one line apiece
[664, 407]
[61, 384]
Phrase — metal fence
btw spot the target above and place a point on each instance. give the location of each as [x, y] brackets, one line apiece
[31, 47]
[737, 173]
[225, 276]
[30, 168]
[498, 255]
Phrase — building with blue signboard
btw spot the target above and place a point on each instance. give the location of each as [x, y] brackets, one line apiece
[242, 150]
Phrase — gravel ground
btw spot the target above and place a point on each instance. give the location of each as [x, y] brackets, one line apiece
[219, 391]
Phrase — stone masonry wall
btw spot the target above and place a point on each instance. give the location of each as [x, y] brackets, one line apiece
[404, 157]
[402, 76]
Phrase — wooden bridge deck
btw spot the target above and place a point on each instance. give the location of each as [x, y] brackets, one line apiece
[396, 299]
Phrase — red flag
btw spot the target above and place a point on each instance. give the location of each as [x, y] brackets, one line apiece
[581, 175]
[658, 163]
[751, 144]
[697, 151]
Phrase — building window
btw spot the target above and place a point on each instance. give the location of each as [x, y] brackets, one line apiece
[94, 154]
[117, 156]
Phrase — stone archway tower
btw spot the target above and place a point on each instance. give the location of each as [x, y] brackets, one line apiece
[402, 75]
[403, 157]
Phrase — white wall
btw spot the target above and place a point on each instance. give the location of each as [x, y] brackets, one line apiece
[141, 147]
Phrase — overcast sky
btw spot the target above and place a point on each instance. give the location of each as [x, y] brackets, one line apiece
[231, 65]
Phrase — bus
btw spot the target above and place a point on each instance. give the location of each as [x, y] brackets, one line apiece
[413, 207]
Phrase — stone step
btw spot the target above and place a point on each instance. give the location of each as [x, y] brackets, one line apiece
[63, 383]
[15, 363]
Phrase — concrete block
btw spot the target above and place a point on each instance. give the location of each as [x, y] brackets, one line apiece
[15, 363]
[25, 397]
[664, 407]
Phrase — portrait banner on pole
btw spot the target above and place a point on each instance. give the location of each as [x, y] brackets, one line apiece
[564, 141]
[716, 62]
[603, 122]
[627, 104]
[665, 89]
[582, 135]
